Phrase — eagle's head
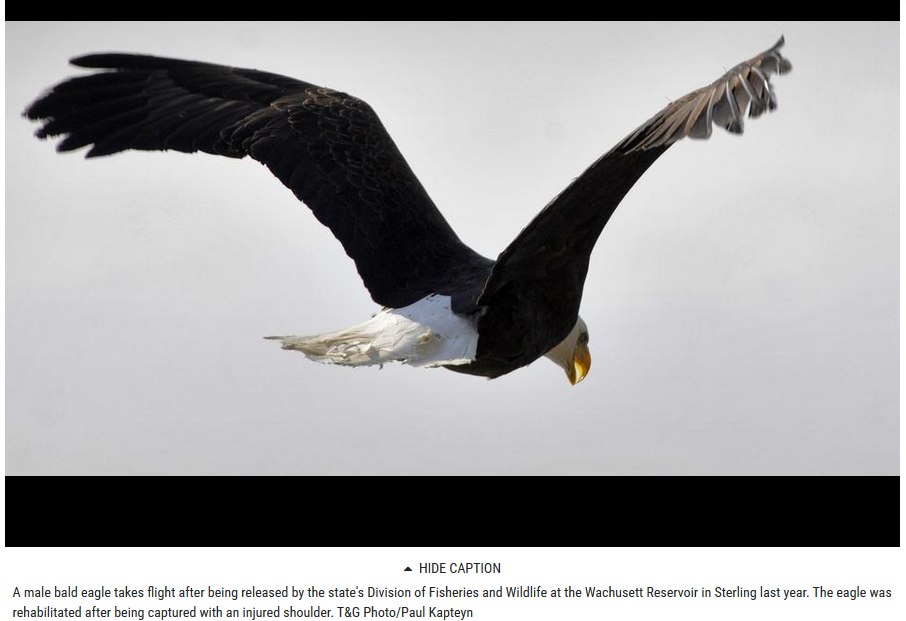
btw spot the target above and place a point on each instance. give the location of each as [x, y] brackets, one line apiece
[572, 354]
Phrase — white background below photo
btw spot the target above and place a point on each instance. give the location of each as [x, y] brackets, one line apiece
[742, 302]
[785, 576]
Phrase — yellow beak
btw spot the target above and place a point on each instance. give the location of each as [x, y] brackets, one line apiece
[581, 363]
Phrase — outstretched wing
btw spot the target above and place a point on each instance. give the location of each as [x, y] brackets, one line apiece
[328, 147]
[555, 247]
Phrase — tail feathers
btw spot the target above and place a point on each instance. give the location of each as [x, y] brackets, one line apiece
[424, 334]
[346, 347]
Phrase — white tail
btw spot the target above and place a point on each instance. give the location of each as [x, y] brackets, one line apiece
[424, 334]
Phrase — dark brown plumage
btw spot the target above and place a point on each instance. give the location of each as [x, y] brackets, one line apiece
[332, 151]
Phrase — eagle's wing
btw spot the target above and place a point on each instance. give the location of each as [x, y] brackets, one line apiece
[557, 244]
[328, 147]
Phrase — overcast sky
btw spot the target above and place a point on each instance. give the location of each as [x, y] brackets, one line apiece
[742, 302]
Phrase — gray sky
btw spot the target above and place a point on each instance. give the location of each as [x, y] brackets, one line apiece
[743, 302]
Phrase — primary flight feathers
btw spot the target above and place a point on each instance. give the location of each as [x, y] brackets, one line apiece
[332, 151]
[722, 103]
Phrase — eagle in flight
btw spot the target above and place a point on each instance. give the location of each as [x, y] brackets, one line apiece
[443, 303]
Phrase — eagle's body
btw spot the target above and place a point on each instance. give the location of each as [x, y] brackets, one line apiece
[444, 304]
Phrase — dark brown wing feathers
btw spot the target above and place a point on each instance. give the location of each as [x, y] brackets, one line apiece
[572, 222]
[328, 147]
[333, 152]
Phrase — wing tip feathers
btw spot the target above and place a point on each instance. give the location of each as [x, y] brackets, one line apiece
[727, 109]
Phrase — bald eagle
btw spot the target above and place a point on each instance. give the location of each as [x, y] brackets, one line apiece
[443, 303]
